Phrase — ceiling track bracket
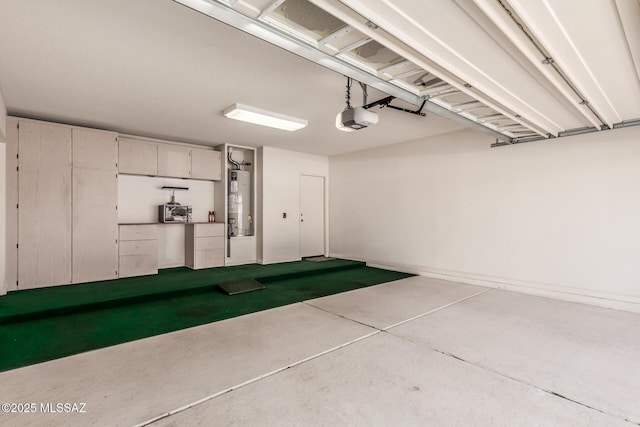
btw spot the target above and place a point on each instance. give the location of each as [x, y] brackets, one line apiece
[386, 102]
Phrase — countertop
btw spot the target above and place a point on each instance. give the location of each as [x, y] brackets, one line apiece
[167, 223]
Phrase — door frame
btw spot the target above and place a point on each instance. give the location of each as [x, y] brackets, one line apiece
[325, 181]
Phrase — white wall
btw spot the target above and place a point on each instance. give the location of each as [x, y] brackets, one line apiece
[3, 119]
[3, 216]
[559, 217]
[281, 170]
[3, 193]
[138, 200]
[10, 175]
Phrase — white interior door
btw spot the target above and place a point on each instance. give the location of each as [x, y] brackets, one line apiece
[311, 215]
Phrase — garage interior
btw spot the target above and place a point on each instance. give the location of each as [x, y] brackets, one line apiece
[444, 234]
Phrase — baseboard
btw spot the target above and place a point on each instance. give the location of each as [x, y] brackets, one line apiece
[172, 265]
[239, 262]
[616, 302]
[277, 261]
[343, 256]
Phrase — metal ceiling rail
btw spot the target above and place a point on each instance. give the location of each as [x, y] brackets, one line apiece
[396, 66]
[409, 73]
[340, 10]
[273, 6]
[627, 123]
[222, 12]
[570, 132]
[336, 34]
[514, 28]
[352, 11]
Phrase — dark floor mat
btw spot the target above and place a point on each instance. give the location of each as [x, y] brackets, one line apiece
[241, 286]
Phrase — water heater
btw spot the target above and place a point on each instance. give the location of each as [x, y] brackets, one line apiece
[239, 204]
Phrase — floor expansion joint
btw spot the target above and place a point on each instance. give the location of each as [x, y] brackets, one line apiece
[444, 353]
[292, 365]
[253, 380]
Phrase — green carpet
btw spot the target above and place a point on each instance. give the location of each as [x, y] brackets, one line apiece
[79, 329]
[44, 302]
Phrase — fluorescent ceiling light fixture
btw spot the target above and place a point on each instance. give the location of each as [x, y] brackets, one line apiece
[258, 116]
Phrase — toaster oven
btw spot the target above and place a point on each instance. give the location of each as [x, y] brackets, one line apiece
[174, 213]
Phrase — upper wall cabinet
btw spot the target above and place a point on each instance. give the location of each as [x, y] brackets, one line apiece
[170, 160]
[93, 149]
[206, 164]
[174, 161]
[138, 157]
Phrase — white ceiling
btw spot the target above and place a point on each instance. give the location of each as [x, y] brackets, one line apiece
[518, 69]
[156, 68]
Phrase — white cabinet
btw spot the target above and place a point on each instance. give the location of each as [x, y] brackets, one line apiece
[174, 161]
[204, 245]
[95, 196]
[94, 149]
[137, 157]
[44, 205]
[168, 160]
[206, 164]
[242, 250]
[138, 250]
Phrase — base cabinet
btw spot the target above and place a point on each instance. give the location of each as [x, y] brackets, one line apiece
[242, 250]
[138, 250]
[204, 245]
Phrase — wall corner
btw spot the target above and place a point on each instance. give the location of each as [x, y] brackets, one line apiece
[3, 119]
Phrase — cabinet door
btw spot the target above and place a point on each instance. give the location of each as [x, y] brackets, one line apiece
[206, 164]
[138, 265]
[95, 196]
[174, 161]
[44, 205]
[209, 258]
[206, 243]
[213, 229]
[139, 232]
[138, 247]
[94, 149]
[95, 225]
[137, 157]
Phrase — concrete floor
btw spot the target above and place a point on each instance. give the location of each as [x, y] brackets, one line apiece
[417, 351]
